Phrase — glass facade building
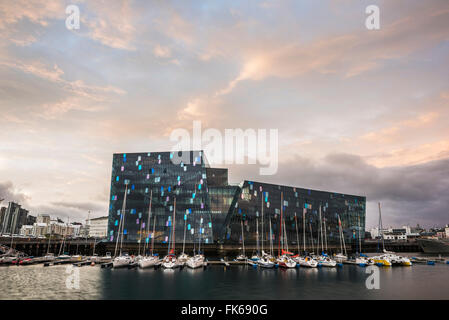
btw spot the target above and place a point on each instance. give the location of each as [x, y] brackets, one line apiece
[156, 177]
[212, 211]
[257, 205]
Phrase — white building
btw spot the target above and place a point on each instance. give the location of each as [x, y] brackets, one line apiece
[394, 234]
[26, 230]
[40, 229]
[43, 218]
[98, 227]
[447, 231]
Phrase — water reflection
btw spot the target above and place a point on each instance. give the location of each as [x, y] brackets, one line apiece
[217, 282]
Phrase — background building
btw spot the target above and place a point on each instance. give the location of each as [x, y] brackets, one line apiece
[14, 218]
[211, 210]
[98, 227]
[154, 176]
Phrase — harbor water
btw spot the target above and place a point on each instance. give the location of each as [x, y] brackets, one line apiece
[420, 281]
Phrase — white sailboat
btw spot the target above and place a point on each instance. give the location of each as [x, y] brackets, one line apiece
[266, 260]
[149, 260]
[324, 260]
[342, 256]
[242, 257]
[284, 259]
[389, 258]
[170, 261]
[304, 261]
[123, 259]
[197, 261]
[183, 257]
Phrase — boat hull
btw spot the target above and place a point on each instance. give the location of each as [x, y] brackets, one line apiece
[148, 263]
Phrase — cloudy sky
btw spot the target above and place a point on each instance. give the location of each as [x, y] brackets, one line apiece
[358, 111]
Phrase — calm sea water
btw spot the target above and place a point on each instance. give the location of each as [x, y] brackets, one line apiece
[216, 282]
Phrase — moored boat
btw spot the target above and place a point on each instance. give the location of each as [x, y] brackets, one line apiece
[197, 261]
[150, 261]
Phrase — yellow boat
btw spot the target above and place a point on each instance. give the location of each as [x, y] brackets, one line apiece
[382, 260]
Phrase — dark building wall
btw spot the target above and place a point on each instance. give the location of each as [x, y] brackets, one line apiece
[155, 172]
[217, 177]
[30, 220]
[2, 217]
[14, 218]
[300, 209]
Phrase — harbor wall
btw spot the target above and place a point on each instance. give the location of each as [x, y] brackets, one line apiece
[39, 247]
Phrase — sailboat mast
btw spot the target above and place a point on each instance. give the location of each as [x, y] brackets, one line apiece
[152, 236]
[261, 204]
[120, 227]
[271, 240]
[257, 235]
[297, 235]
[243, 238]
[339, 231]
[360, 239]
[304, 228]
[343, 238]
[123, 217]
[311, 237]
[280, 228]
[321, 232]
[381, 228]
[325, 233]
[285, 235]
[140, 236]
[174, 224]
[149, 221]
[184, 241]
[199, 244]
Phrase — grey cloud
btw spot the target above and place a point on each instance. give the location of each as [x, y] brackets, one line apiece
[408, 194]
[8, 193]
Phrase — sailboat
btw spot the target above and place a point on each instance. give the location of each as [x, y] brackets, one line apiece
[382, 260]
[197, 261]
[361, 259]
[304, 261]
[123, 259]
[324, 259]
[266, 260]
[183, 257]
[149, 260]
[389, 258]
[242, 257]
[284, 260]
[256, 256]
[170, 261]
[342, 256]
[62, 256]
